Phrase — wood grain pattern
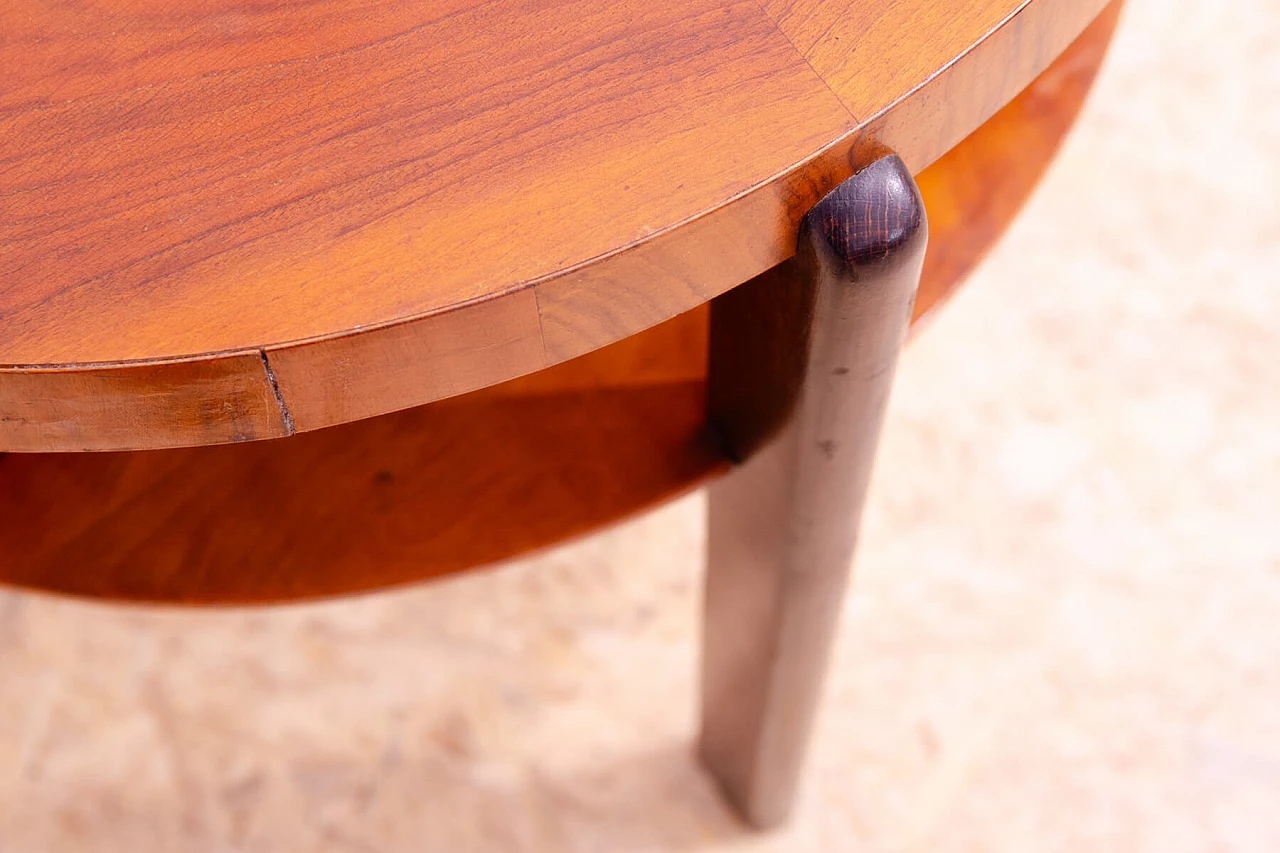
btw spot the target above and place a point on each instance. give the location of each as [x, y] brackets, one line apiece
[180, 180]
[438, 357]
[80, 411]
[970, 194]
[978, 185]
[384, 501]
[919, 117]
[974, 191]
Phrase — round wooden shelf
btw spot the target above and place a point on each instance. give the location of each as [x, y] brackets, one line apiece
[474, 479]
[231, 223]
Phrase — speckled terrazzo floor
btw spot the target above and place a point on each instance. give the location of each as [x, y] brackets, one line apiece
[1065, 633]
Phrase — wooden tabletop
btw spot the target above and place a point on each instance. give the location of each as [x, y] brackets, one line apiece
[227, 222]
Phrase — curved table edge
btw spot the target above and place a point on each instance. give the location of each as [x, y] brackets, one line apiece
[282, 388]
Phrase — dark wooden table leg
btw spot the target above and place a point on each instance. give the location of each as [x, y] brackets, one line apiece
[802, 359]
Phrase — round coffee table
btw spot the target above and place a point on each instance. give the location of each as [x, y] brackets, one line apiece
[465, 262]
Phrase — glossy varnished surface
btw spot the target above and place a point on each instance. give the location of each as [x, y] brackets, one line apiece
[823, 331]
[64, 495]
[974, 191]
[386, 501]
[396, 204]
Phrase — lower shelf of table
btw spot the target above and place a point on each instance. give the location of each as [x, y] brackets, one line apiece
[395, 499]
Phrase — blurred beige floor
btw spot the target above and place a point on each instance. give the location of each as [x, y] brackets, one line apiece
[1065, 633]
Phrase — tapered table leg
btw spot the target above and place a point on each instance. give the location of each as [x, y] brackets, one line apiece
[801, 363]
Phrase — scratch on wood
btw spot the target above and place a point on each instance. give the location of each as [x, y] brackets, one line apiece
[275, 389]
